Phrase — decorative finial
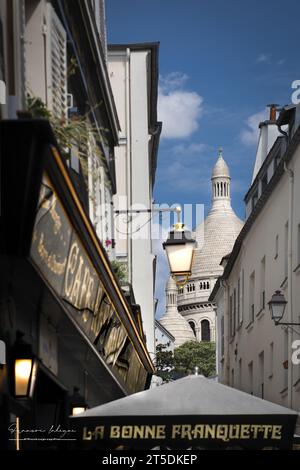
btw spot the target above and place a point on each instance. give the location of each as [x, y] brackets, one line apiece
[220, 152]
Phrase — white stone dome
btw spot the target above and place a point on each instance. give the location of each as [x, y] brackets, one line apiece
[178, 327]
[172, 320]
[171, 284]
[216, 235]
[215, 238]
[220, 169]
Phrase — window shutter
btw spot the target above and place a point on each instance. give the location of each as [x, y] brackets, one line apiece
[56, 64]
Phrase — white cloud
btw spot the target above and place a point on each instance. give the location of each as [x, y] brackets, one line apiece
[179, 112]
[173, 80]
[250, 135]
[178, 109]
[262, 58]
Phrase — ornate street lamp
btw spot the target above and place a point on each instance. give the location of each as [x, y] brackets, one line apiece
[277, 306]
[24, 368]
[180, 251]
[78, 403]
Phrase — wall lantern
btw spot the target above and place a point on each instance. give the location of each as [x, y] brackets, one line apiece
[277, 306]
[24, 368]
[180, 250]
[78, 403]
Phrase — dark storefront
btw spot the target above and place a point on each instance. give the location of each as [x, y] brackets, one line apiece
[57, 292]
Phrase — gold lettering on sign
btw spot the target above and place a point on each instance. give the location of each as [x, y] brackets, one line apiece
[74, 296]
[223, 432]
[276, 432]
[88, 435]
[245, 431]
[50, 260]
[72, 260]
[79, 281]
[226, 432]
[138, 432]
[55, 217]
[114, 432]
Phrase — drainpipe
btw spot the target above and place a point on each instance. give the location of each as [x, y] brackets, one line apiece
[128, 161]
[225, 286]
[290, 280]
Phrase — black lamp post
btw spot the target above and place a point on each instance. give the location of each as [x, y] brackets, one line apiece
[277, 306]
[24, 368]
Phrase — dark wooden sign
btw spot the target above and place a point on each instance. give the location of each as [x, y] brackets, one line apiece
[59, 255]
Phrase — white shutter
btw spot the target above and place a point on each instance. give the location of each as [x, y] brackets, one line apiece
[56, 64]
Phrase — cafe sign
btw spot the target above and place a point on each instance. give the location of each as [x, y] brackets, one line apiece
[59, 255]
[185, 431]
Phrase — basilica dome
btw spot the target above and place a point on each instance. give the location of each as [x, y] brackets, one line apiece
[216, 235]
[215, 238]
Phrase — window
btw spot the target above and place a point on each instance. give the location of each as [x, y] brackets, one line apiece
[250, 377]
[190, 287]
[251, 297]
[271, 359]
[276, 246]
[264, 182]
[231, 315]
[286, 247]
[240, 294]
[298, 245]
[232, 377]
[204, 285]
[56, 64]
[234, 311]
[192, 325]
[285, 362]
[222, 337]
[238, 301]
[261, 362]
[254, 199]
[262, 282]
[205, 330]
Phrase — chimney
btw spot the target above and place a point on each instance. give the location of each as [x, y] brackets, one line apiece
[273, 111]
[268, 134]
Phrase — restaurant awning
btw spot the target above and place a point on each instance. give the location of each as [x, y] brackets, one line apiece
[190, 412]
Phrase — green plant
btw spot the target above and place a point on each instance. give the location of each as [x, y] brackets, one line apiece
[77, 131]
[196, 354]
[119, 269]
[164, 362]
[172, 365]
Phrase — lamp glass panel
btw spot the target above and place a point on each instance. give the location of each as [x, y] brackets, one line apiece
[22, 376]
[277, 311]
[180, 257]
[76, 410]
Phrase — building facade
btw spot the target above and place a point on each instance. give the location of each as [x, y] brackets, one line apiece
[133, 70]
[253, 353]
[215, 237]
[63, 310]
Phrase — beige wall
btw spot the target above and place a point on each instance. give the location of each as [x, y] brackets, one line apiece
[128, 71]
[261, 342]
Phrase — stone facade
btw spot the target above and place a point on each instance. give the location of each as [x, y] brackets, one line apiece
[215, 238]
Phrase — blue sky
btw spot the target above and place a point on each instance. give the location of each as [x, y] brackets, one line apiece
[220, 63]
